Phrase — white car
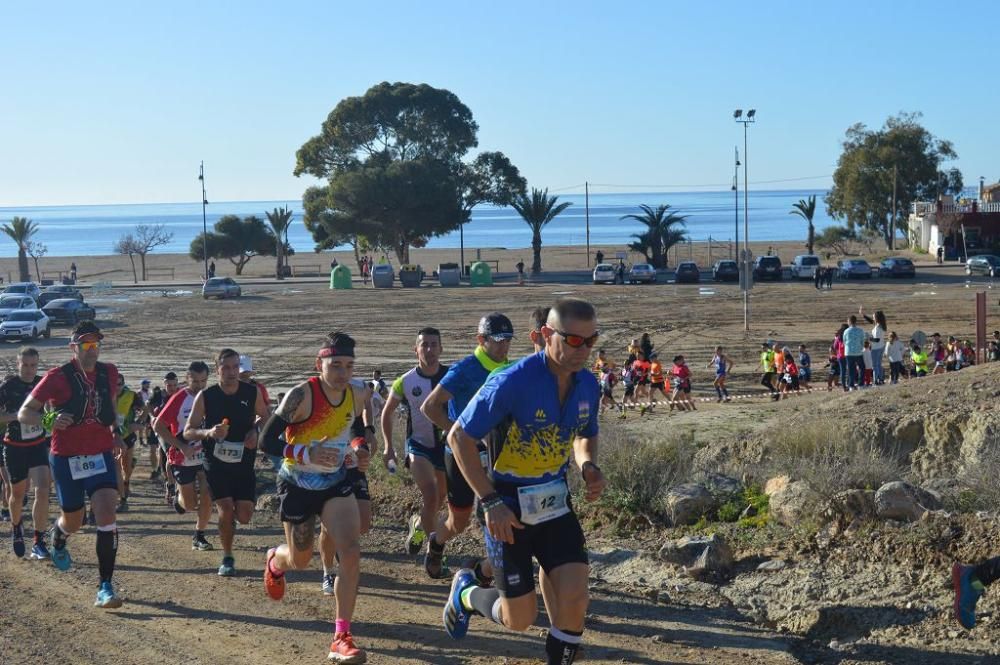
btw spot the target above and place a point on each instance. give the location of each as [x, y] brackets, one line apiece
[23, 289]
[12, 302]
[804, 266]
[641, 272]
[221, 287]
[604, 273]
[25, 324]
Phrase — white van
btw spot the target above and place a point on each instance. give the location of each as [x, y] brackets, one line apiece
[804, 266]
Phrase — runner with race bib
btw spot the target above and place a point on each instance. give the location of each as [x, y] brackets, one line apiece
[224, 418]
[81, 396]
[549, 402]
[186, 462]
[25, 455]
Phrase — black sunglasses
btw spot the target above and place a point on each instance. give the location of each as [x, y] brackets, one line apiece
[576, 341]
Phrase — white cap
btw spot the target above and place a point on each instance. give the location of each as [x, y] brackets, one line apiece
[246, 364]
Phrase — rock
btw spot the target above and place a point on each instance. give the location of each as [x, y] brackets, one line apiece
[268, 503]
[701, 556]
[792, 503]
[775, 485]
[687, 503]
[902, 501]
[772, 566]
[851, 505]
[723, 488]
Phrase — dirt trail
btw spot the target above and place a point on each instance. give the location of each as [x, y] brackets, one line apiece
[177, 608]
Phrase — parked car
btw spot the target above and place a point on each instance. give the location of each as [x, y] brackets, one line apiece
[221, 287]
[983, 264]
[726, 271]
[687, 271]
[12, 302]
[50, 293]
[25, 324]
[68, 312]
[851, 268]
[897, 266]
[604, 273]
[23, 289]
[641, 272]
[804, 266]
[766, 267]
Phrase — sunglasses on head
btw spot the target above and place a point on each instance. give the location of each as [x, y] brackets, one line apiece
[576, 341]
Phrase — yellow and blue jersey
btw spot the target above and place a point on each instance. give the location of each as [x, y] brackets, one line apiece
[536, 432]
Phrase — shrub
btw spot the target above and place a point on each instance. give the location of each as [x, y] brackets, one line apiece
[832, 458]
[640, 471]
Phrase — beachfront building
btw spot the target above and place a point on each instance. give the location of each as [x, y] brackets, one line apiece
[967, 226]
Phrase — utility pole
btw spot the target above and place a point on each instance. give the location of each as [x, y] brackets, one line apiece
[892, 223]
[747, 276]
[736, 196]
[204, 217]
[586, 203]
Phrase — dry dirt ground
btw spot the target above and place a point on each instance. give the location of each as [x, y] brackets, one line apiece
[178, 609]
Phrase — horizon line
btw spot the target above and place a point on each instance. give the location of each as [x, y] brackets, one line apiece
[299, 200]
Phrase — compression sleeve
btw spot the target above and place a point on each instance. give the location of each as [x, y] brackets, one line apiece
[271, 435]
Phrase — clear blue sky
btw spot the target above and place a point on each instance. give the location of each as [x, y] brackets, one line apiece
[117, 102]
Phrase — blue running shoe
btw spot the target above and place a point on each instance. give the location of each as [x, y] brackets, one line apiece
[968, 590]
[4, 515]
[456, 617]
[61, 558]
[39, 551]
[17, 539]
[228, 567]
[106, 598]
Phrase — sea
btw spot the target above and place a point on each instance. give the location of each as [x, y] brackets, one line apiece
[89, 230]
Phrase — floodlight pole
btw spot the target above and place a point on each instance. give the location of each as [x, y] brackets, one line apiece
[736, 199]
[204, 217]
[746, 121]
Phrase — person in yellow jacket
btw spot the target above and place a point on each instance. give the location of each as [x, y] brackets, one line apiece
[130, 410]
[919, 358]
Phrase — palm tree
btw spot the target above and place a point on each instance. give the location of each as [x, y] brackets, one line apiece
[20, 230]
[280, 219]
[641, 244]
[805, 209]
[538, 210]
[661, 230]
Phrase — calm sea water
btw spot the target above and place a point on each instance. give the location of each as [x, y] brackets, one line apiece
[93, 229]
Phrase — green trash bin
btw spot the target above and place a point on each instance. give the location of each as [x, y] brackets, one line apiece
[480, 274]
[340, 277]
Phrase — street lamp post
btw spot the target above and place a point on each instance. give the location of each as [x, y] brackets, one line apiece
[736, 199]
[746, 120]
[204, 217]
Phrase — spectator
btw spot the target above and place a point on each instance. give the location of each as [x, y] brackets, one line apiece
[646, 345]
[599, 256]
[895, 350]
[867, 356]
[854, 347]
[211, 270]
[919, 358]
[878, 341]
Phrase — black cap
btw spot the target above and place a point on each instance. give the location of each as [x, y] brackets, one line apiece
[496, 326]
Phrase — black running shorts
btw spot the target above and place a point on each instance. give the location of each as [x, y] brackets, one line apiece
[185, 475]
[460, 494]
[552, 544]
[232, 481]
[299, 505]
[20, 459]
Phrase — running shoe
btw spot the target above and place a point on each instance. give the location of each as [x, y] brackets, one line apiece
[456, 617]
[228, 567]
[482, 579]
[273, 584]
[39, 551]
[106, 598]
[178, 508]
[434, 560]
[968, 590]
[4, 515]
[199, 543]
[415, 536]
[60, 555]
[328, 581]
[342, 650]
[17, 539]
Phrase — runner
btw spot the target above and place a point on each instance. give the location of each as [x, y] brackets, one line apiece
[682, 385]
[159, 397]
[25, 456]
[130, 411]
[442, 407]
[767, 378]
[805, 368]
[246, 375]
[224, 417]
[723, 366]
[546, 398]
[318, 421]
[187, 461]
[657, 380]
[84, 434]
[424, 446]
[170, 388]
